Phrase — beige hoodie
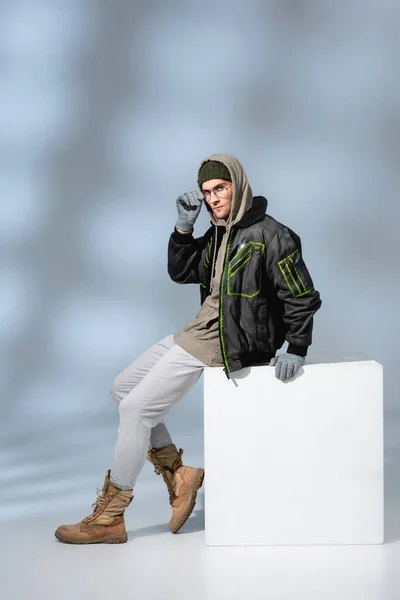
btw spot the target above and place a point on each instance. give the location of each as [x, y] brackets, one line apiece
[200, 337]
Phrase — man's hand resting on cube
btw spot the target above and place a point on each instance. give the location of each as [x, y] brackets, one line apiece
[287, 365]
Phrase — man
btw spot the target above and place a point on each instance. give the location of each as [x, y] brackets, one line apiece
[256, 292]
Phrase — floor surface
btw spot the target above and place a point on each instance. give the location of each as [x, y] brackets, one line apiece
[50, 477]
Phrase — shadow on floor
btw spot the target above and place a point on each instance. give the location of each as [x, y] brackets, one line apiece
[193, 524]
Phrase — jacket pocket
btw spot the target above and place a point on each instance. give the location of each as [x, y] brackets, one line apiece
[245, 271]
[296, 274]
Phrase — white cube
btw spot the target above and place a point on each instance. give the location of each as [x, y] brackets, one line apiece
[295, 463]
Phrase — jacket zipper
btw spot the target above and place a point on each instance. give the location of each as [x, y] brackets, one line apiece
[226, 368]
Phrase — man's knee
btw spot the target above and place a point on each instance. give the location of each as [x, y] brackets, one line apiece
[141, 412]
[116, 390]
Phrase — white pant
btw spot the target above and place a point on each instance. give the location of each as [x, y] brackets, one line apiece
[145, 392]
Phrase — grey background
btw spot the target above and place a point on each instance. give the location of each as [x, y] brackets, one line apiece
[106, 111]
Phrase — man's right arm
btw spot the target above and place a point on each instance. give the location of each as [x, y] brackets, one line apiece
[184, 251]
[184, 256]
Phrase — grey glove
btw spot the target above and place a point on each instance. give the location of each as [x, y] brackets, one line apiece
[287, 365]
[188, 205]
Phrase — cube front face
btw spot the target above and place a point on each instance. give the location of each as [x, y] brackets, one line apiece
[297, 463]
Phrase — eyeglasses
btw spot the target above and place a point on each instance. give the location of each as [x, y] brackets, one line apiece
[220, 191]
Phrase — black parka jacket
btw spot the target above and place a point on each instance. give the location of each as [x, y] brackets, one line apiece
[267, 295]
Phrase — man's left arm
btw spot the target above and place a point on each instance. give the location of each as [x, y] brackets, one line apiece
[294, 286]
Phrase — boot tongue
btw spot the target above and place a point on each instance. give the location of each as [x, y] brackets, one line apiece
[107, 483]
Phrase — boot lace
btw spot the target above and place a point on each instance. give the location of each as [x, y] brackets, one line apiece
[99, 500]
[97, 504]
[160, 469]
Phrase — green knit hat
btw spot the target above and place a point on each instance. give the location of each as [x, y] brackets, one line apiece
[213, 169]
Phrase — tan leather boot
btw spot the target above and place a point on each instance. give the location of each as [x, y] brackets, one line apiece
[182, 482]
[105, 524]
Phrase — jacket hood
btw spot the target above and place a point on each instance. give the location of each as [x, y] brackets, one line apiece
[242, 197]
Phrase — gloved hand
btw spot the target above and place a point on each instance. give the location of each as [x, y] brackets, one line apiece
[188, 205]
[287, 365]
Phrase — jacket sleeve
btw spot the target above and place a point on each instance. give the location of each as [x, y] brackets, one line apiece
[184, 255]
[293, 285]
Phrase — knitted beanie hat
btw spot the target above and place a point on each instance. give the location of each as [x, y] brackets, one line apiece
[213, 169]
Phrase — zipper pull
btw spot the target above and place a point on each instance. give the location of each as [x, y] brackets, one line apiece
[226, 373]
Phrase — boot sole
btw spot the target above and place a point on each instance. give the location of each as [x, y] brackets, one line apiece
[106, 540]
[196, 485]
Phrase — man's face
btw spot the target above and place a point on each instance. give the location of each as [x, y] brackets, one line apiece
[213, 190]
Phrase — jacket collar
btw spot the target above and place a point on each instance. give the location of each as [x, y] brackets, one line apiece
[255, 213]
